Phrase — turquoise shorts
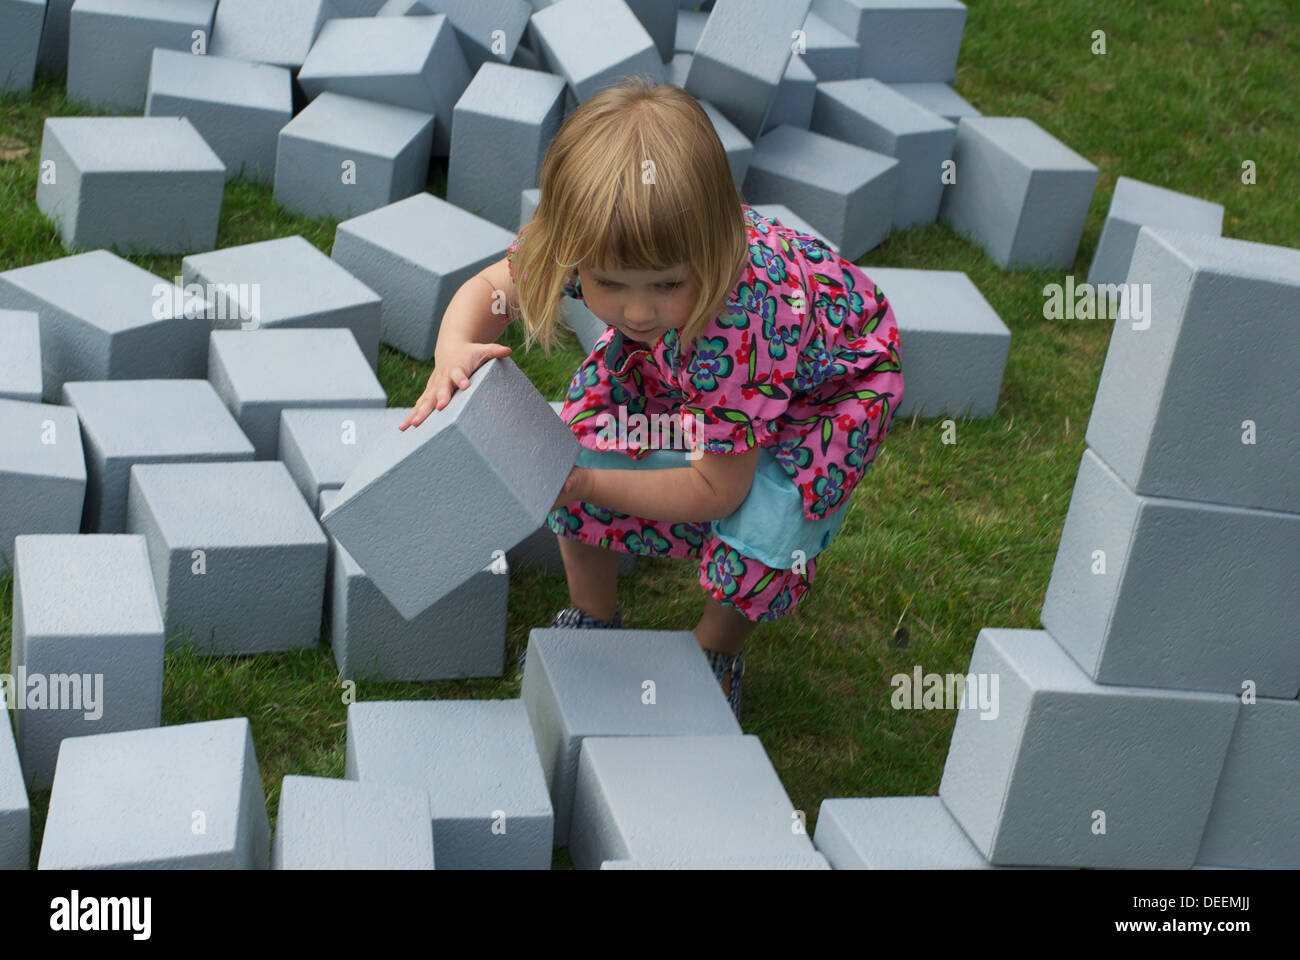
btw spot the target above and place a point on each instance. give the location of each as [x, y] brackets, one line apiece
[769, 526]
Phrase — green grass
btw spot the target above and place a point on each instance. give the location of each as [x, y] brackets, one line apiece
[941, 540]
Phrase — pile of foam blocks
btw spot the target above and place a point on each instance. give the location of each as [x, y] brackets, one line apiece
[169, 465]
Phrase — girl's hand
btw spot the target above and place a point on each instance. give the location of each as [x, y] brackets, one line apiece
[451, 369]
[575, 488]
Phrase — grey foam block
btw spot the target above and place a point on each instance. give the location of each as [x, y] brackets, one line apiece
[238, 558]
[676, 69]
[139, 184]
[527, 59]
[870, 114]
[956, 344]
[260, 373]
[187, 796]
[462, 635]
[411, 62]
[15, 810]
[238, 107]
[528, 201]
[416, 254]
[343, 156]
[660, 21]
[104, 318]
[357, 8]
[787, 217]
[1030, 780]
[1135, 204]
[738, 147]
[845, 191]
[111, 44]
[53, 55]
[124, 422]
[476, 760]
[829, 53]
[593, 43]
[286, 283]
[1183, 594]
[690, 27]
[586, 326]
[484, 471]
[679, 797]
[87, 630]
[908, 40]
[501, 128]
[795, 97]
[814, 861]
[20, 355]
[20, 41]
[280, 33]
[327, 824]
[1255, 820]
[489, 31]
[321, 447]
[42, 472]
[606, 683]
[1164, 426]
[742, 56]
[893, 833]
[938, 98]
[1019, 193]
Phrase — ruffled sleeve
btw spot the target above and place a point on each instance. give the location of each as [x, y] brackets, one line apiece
[572, 284]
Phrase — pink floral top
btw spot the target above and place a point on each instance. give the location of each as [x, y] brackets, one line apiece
[803, 359]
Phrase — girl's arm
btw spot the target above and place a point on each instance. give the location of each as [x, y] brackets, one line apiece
[711, 487]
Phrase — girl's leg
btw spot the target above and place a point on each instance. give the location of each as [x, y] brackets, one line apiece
[592, 573]
[724, 629]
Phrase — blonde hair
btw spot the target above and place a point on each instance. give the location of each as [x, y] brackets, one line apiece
[635, 179]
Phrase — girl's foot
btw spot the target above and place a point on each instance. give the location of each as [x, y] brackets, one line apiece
[729, 671]
[574, 618]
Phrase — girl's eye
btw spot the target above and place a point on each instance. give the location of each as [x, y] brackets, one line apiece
[671, 286]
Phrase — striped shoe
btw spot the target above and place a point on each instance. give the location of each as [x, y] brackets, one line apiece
[574, 618]
[724, 664]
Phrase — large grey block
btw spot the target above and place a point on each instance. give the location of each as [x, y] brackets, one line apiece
[501, 128]
[937, 98]
[412, 62]
[742, 55]
[738, 147]
[1135, 205]
[955, 343]
[238, 107]
[690, 27]
[326, 824]
[104, 318]
[679, 797]
[795, 97]
[15, 810]
[238, 558]
[260, 373]
[812, 861]
[1255, 820]
[124, 422]
[1019, 193]
[828, 52]
[321, 447]
[1184, 594]
[88, 633]
[342, 156]
[586, 326]
[909, 40]
[870, 114]
[481, 474]
[489, 31]
[416, 254]
[477, 761]
[846, 192]
[42, 472]
[279, 33]
[788, 218]
[183, 796]
[593, 43]
[1160, 419]
[111, 44]
[593, 683]
[893, 833]
[287, 283]
[462, 635]
[53, 55]
[20, 41]
[1030, 783]
[139, 184]
[20, 355]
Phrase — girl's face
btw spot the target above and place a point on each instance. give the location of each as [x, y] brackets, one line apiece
[643, 304]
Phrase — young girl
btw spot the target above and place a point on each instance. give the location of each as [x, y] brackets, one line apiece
[779, 360]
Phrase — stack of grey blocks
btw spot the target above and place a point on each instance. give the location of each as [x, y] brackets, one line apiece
[20, 40]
